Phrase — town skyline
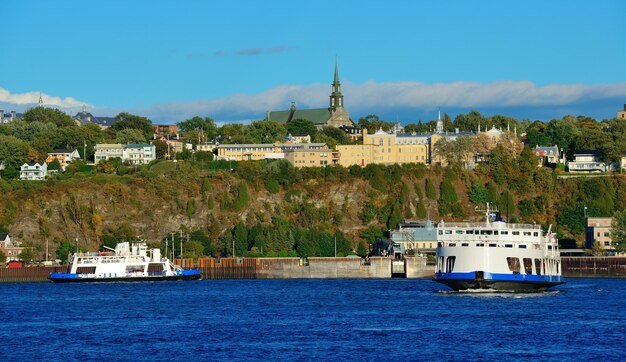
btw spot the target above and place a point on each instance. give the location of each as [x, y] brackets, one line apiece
[171, 62]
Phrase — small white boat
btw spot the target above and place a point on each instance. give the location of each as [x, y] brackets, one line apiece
[127, 262]
[498, 256]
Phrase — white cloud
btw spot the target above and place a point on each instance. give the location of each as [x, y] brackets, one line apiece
[408, 95]
[21, 99]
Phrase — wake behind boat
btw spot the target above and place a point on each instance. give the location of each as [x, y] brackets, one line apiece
[125, 263]
[497, 256]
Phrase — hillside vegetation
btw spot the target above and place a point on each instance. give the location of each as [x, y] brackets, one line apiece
[273, 209]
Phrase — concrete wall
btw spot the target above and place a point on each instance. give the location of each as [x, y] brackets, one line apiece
[416, 267]
[287, 268]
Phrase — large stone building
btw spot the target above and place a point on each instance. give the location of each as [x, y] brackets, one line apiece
[333, 116]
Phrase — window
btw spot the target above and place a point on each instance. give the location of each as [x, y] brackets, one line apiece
[448, 232]
[514, 265]
[528, 265]
[492, 245]
[522, 246]
[508, 245]
[535, 234]
[504, 233]
[515, 232]
[480, 245]
[450, 263]
[465, 244]
[459, 232]
[527, 233]
[538, 266]
[606, 234]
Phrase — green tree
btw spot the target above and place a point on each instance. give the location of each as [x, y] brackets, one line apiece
[618, 231]
[266, 132]
[206, 125]
[27, 254]
[161, 148]
[48, 115]
[478, 193]
[469, 122]
[130, 121]
[129, 135]
[243, 196]
[302, 127]
[431, 191]
[54, 165]
[337, 134]
[64, 250]
[3, 257]
[193, 249]
[13, 152]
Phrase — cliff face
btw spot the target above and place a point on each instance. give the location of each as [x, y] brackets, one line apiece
[157, 203]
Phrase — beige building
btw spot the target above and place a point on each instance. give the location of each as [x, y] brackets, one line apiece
[598, 230]
[386, 148]
[262, 151]
[622, 114]
[312, 157]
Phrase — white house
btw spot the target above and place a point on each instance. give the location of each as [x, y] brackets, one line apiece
[34, 171]
[587, 161]
[10, 249]
[139, 154]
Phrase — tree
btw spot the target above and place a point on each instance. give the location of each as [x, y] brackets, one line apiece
[64, 250]
[372, 123]
[618, 231]
[130, 121]
[469, 122]
[48, 115]
[431, 191]
[13, 152]
[302, 127]
[161, 148]
[27, 254]
[3, 257]
[266, 132]
[54, 165]
[243, 196]
[336, 134]
[478, 193]
[129, 135]
[206, 125]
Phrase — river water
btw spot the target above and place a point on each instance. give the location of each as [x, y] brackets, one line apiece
[400, 319]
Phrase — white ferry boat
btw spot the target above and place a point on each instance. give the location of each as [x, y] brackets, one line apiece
[497, 255]
[125, 263]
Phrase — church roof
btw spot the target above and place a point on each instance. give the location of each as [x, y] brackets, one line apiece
[315, 115]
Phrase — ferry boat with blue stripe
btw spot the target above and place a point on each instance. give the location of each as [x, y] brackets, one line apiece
[498, 256]
[126, 263]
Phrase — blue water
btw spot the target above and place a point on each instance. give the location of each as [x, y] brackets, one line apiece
[399, 319]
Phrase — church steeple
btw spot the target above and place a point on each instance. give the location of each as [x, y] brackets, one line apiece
[336, 98]
[40, 102]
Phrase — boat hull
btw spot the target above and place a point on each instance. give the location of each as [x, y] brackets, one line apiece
[74, 278]
[497, 282]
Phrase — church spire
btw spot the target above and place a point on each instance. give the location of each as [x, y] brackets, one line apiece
[336, 98]
[439, 122]
[40, 102]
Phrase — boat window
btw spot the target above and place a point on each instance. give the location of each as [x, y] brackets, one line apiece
[480, 244]
[439, 244]
[439, 264]
[549, 247]
[535, 234]
[86, 270]
[515, 232]
[504, 233]
[448, 232]
[450, 263]
[522, 246]
[452, 244]
[459, 232]
[538, 266]
[528, 265]
[465, 244]
[527, 233]
[495, 232]
[492, 245]
[440, 232]
[508, 245]
[485, 232]
[514, 264]
[469, 232]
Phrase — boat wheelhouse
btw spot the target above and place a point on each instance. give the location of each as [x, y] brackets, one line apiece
[497, 255]
[127, 262]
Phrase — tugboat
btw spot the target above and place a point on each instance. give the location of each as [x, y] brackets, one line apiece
[497, 256]
[126, 263]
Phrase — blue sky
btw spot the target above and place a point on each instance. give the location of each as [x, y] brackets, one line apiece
[234, 60]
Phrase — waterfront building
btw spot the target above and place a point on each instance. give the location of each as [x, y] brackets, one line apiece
[587, 161]
[9, 248]
[419, 236]
[65, 156]
[34, 171]
[622, 114]
[333, 116]
[598, 232]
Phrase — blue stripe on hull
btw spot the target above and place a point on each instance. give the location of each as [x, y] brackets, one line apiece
[497, 281]
[502, 277]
